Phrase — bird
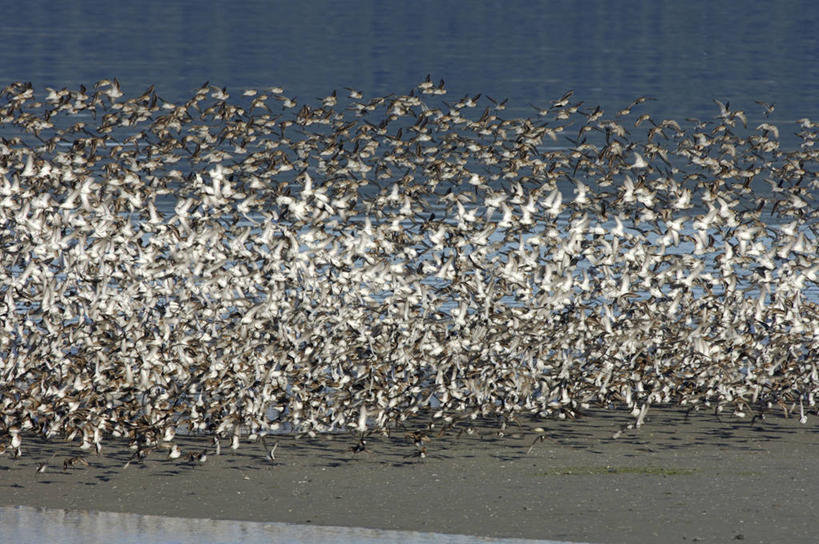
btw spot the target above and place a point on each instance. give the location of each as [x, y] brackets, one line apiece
[243, 264]
[270, 454]
[174, 452]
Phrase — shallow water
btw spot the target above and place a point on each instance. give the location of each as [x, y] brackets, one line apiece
[22, 524]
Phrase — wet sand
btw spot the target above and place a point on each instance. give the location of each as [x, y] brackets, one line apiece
[675, 480]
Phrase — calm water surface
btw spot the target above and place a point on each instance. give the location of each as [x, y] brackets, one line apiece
[683, 54]
[23, 525]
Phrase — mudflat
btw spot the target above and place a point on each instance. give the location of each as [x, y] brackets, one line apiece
[679, 478]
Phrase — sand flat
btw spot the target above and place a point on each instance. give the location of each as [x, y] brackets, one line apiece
[675, 479]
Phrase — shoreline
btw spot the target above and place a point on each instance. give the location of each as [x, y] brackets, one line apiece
[671, 479]
[22, 524]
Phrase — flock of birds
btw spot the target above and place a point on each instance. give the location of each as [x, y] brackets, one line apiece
[239, 267]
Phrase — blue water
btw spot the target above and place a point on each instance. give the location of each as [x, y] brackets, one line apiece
[683, 53]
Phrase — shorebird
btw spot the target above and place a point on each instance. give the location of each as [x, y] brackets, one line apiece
[212, 267]
[174, 452]
[197, 457]
[539, 438]
[270, 453]
[360, 447]
[71, 462]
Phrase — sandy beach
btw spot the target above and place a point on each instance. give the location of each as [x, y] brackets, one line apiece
[675, 479]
